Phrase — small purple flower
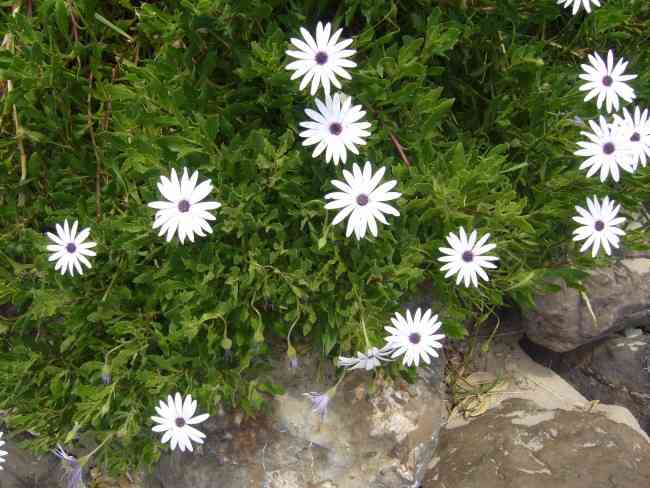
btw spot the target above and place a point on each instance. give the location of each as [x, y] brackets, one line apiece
[72, 470]
[106, 375]
[320, 402]
[293, 363]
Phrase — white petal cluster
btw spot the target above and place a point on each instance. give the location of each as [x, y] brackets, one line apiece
[414, 337]
[336, 128]
[2, 453]
[70, 250]
[608, 150]
[361, 200]
[183, 212]
[372, 359]
[599, 225]
[607, 81]
[322, 59]
[175, 418]
[635, 129]
[576, 4]
[466, 257]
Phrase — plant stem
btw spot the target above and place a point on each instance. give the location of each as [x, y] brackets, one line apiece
[98, 172]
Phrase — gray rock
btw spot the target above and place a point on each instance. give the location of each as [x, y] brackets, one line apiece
[23, 469]
[618, 296]
[382, 438]
[616, 370]
[520, 444]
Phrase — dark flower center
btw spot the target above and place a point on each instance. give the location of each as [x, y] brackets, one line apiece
[414, 338]
[599, 225]
[362, 200]
[71, 248]
[607, 80]
[180, 422]
[636, 137]
[183, 206]
[608, 148]
[321, 57]
[468, 256]
[336, 128]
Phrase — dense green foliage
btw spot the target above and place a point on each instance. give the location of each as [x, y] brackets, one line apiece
[481, 94]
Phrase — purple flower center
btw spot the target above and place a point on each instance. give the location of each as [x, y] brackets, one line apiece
[636, 137]
[362, 200]
[180, 422]
[71, 247]
[607, 80]
[321, 57]
[336, 128]
[468, 256]
[415, 338]
[608, 148]
[599, 225]
[183, 206]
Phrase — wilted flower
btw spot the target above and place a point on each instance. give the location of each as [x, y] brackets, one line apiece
[368, 361]
[320, 60]
[319, 402]
[106, 374]
[72, 470]
[292, 357]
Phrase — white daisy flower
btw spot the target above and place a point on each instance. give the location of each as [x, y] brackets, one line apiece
[176, 419]
[2, 453]
[184, 212]
[362, 200]
[599, 226]
[69, 249]
[607, 81]
[322, 59]
[466, 257]
[414, 337]
[637, 131]
[370, 360]
[608, 149]
[335, 128]
[578, 3]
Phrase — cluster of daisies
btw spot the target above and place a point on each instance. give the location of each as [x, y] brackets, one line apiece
[335, 127]
[622, 143]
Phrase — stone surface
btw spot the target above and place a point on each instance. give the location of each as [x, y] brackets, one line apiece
[618, 296]
[520, 444]
[382, 438]
[616, 370]
[520, 377]
[25, 470]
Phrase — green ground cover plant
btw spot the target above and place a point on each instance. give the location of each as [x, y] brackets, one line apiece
[475, 110]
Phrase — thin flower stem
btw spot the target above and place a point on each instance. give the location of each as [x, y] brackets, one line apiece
[84, 459]
[365, 334]
[399, 148]
[98, 172]
[8, 43]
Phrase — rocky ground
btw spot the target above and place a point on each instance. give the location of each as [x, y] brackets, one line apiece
[558, 398]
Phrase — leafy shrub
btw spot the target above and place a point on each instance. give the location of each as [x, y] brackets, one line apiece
[482, 96]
